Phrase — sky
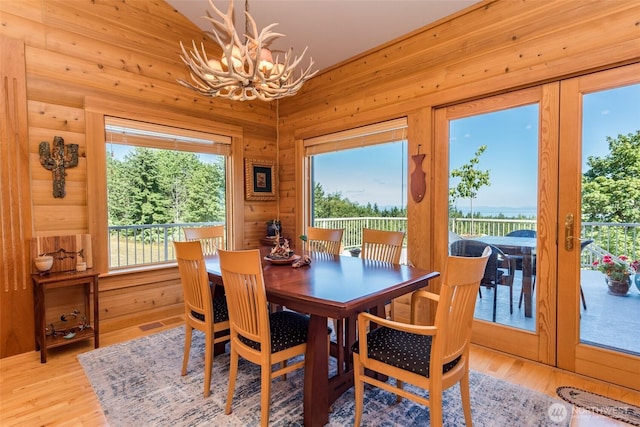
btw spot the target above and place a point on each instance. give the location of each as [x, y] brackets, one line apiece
[375, 174]
[378, 174]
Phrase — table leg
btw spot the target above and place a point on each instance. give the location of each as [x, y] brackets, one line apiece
[526, 283]
[316, 374]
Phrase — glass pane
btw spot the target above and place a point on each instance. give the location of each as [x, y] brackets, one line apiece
[611, 219]
[493, 184]
[361, 188]
[152, 194]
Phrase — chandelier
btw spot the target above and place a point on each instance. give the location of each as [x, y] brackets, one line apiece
[246, 70]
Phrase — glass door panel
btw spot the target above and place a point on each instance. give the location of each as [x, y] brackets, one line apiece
[493, 186]
[611, 218]
[502, 193]
[598, 302]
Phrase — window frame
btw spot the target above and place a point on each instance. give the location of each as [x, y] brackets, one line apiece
[378, 133]
[96, 109]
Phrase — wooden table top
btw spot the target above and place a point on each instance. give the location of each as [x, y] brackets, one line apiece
[334, 286]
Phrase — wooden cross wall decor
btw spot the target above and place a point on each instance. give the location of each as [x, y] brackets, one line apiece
[57, 161]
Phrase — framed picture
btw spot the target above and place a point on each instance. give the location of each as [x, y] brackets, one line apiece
[259, 179]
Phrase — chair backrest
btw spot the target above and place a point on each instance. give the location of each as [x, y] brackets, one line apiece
[246, 297]
[475, 248]
[379, 245]
[194, 279]
[454, 313]
[522, 233]
[326, 240]
[212, 237]
[585, 243]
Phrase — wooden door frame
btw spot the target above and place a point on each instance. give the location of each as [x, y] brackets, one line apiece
[539, 345]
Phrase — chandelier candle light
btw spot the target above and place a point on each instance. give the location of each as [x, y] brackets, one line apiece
[246, 69]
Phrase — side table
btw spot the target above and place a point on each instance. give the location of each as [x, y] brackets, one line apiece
[88, 279]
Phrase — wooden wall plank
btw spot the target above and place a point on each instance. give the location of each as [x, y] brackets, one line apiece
[126, 52]
[54, 116]
[16, 291]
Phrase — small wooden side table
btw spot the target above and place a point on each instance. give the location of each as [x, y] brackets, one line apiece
[89, 279]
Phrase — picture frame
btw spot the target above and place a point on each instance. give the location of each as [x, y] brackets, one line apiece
[260, 179]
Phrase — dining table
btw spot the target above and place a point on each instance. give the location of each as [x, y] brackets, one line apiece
[524, 247]
[336, 287]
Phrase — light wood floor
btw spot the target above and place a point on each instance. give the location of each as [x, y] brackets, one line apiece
[58, 393]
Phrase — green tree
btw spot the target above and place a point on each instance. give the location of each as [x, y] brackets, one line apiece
[150, 205]
[119, 192]
[334, 205]
[206, 201]
[611, 185]
[471, 180]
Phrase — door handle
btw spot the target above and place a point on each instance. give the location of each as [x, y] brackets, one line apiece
[568, 232]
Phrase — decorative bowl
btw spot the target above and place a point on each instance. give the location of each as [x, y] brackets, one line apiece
[282, 260]
[44, 262]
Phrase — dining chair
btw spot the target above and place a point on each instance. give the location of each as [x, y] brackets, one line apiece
[407, 352]
[380, 245]
[500, 268]
[202, 312]
[328, 241]
[324, 240]
[377, 245]
[211, 237]
[257, 335]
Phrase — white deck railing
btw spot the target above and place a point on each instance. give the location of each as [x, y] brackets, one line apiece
[134, 245]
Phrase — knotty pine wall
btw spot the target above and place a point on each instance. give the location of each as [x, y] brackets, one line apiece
[129, 51]
[491, 47]
[124, 52]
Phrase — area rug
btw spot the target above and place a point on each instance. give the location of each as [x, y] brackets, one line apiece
[138, 383]
[602, 405]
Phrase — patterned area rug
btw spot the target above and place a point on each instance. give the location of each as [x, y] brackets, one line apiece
[601, 405]
[138, 383]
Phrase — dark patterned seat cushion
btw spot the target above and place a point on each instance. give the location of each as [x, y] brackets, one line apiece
[288, 329]
[404, 350]
[220, 311]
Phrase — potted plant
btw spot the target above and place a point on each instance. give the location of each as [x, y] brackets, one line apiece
[617, 271]
[273, 227]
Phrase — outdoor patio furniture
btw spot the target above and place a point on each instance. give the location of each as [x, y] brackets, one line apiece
[500, 269]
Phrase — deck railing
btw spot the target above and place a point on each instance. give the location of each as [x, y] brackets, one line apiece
[612, 237]
[352, 236]
[133, 245]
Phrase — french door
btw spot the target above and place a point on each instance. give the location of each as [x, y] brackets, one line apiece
[549, 175]
[501, 167]
[600, 123]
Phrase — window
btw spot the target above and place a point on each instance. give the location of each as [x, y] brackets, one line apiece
[160, 179]
[358, 179]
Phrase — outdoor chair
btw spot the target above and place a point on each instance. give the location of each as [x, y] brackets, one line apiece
[431, 357]
[500, 268]
[522, 233]
[202, 311]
